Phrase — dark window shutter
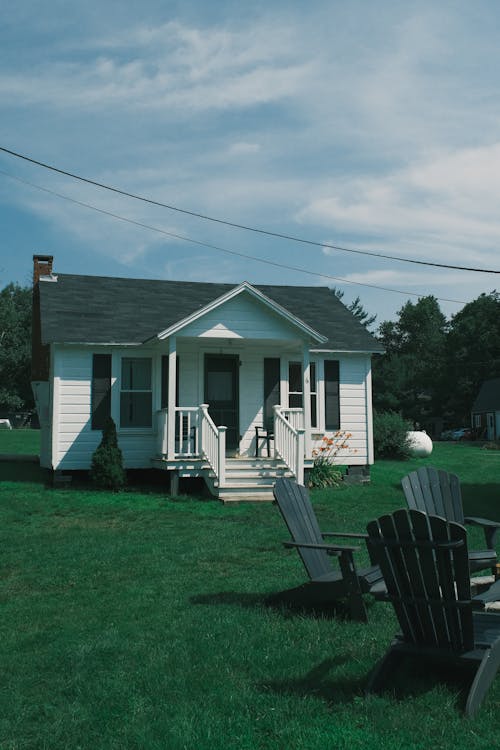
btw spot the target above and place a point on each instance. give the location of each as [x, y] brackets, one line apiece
[271, 388]
[332, 401]
[101, 390]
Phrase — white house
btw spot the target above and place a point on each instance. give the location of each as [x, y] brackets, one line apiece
[486, 410]
[196, 375]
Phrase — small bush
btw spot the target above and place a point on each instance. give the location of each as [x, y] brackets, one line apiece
[492, 445]
[390, 435]
[107, 470]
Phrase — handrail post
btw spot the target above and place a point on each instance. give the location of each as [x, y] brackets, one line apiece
[276, 410]
[162, 432]
[299, 467]
[222, 455]
[203, 439]
[172, 364]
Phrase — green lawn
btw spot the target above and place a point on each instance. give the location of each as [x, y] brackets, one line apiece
[20, 441]
[136, 620]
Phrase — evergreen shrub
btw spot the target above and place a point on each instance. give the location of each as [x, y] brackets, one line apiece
[390, 435]
[107, 470]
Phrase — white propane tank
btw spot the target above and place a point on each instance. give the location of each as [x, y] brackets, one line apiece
[419, 443]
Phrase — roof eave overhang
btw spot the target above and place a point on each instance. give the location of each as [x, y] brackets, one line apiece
[316, 350]
[245, 287]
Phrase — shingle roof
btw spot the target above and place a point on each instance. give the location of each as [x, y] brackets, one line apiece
[101, 309]
[488, 398]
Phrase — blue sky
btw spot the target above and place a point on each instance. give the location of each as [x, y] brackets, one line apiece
[373, 126]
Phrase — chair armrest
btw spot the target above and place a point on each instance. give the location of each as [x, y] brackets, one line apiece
[490, 529]
[346, 535]
[482, 522]
[492, 594]
[330, 548]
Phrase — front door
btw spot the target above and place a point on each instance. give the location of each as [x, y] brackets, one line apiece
[222, 394]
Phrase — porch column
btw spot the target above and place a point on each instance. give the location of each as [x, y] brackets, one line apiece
[172, 368]
[306, 369]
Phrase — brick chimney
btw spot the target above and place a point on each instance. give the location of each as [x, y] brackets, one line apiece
[42, 266]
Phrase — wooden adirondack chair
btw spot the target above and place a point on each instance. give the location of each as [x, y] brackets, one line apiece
[438, 493]
[425, 564]
[327, 582]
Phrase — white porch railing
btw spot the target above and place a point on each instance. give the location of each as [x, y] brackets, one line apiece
[196, 436]
[289, 441]
[295, 416]
[186, 427]
[213, 444]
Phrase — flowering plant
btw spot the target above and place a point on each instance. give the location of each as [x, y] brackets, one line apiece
[324, 473]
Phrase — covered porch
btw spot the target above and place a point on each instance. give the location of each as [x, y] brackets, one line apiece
[191, 443]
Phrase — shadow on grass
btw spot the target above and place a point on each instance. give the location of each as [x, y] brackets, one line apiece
[274, 602]
[412, 679]
[23, 471]
[415, 677]
[321, 683]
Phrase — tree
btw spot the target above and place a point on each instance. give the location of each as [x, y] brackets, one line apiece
[472, 352]
[410, 376]
[356, 308]
[15, 348]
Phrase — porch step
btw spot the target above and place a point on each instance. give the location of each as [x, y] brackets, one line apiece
[252, 493]
[250, 479]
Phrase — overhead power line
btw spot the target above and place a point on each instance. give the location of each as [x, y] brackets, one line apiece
[184, 238]
[244, 227]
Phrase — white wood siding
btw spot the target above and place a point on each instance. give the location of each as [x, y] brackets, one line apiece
[73, 439]
[242, 318]
[355, 408]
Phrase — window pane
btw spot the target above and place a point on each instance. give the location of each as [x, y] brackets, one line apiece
[295, 400]
[271, 389]
[314, 414]
[136, 374]
[312, 376]
[295, 377]
[136, 410]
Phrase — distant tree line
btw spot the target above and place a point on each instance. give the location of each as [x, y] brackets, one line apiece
[432, 367]
[15, 349]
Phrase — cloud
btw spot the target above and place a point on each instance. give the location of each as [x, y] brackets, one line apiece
[170, 67]
[242, 149]
[448, 201]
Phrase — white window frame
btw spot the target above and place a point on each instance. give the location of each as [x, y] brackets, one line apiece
[149, 390]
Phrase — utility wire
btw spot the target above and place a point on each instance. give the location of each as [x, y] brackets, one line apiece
[244, 227]
[184, 238]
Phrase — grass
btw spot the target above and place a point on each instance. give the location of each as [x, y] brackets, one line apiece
[20, 441]
[137, 620]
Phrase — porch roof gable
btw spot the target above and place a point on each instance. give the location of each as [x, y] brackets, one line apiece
[243, 288]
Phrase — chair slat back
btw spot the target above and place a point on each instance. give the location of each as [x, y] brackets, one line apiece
[424, 561]
[434, 491]
[297, 511]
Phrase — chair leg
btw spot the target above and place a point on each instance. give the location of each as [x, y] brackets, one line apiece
[356, 607]
[483, 678]
[352, 589]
